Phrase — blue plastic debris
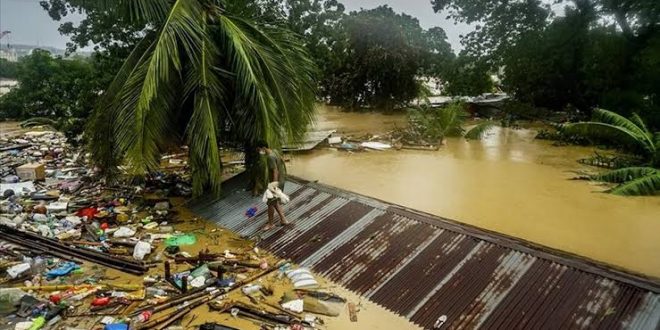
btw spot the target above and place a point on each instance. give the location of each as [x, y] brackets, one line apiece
[116, 326]
[251, 212]
[63, 270]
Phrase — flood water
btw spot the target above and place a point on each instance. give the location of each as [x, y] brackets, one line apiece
[508, 182]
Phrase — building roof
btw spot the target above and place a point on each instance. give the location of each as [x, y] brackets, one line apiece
[427, 268]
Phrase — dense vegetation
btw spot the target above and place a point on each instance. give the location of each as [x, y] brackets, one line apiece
[52, 87]
[8, 69]
[578, 53]
[437, 123]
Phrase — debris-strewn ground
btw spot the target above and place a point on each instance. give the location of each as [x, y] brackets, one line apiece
[77, 253]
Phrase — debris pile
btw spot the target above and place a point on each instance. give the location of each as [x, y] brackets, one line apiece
[77, 253]
[397, 139]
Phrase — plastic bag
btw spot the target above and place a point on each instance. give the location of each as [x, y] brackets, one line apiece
[141, 250]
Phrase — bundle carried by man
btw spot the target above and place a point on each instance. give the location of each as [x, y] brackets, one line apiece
[274, 193]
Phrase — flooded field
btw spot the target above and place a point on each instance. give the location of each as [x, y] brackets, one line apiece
[508, 182]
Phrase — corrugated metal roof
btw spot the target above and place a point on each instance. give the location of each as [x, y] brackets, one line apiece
[423, 267]
[309, 141]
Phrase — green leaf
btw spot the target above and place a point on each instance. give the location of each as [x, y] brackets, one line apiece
[645, 186]
[624, 174]
[639, 122]
[616, 134]
[145, 10]
[479, 131]
[146, 118]
[612, 118]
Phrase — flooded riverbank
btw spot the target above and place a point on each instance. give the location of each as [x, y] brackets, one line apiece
[508, 182]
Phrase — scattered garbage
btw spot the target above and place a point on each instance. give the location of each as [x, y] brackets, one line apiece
[70, 242]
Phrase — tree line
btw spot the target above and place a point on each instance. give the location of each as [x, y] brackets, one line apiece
[264, 62]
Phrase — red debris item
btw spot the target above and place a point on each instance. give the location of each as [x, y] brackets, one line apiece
[101, 301]
[104, 226]
[297, 326]
[55, 299]
[144, 316]
[88, 212]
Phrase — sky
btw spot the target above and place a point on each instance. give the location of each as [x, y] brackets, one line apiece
[30, 24]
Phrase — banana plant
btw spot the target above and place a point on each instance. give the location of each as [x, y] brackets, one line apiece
[632, 134]
[438, 123]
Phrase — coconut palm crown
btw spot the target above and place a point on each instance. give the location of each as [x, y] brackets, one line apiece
[201, 75]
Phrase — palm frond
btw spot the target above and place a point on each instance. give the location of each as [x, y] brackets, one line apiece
[617, 134]
[635, 124]
[251, 92]
[145, 10]
[479, 131]
[102, 124]
[624, 174]
[648, 185]
[450, 120]
[146, 115]
[203, 126]
[274, 93]
[290, 74]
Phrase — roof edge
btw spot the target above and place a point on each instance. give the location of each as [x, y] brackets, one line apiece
[576, 261]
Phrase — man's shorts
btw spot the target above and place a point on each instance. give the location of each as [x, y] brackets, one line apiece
[272, 201]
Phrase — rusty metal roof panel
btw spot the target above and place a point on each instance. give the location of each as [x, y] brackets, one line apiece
[424, 267]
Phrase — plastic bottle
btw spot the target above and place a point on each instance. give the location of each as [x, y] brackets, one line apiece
[38, 323]
[155, 292]
[38, 266]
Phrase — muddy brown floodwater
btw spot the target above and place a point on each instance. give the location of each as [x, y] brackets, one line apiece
[508, 182]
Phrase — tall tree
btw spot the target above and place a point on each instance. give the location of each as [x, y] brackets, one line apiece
[593, 53]
[382, 56]
[51, 87]
[498, 24]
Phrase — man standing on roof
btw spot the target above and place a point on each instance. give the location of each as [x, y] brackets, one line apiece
[276, 173]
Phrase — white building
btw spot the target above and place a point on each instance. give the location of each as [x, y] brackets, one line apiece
[9, 55]
[6, 85]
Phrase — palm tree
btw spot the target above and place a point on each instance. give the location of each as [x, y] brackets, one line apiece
[200, 77]
[438, 123]
[634, 136]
